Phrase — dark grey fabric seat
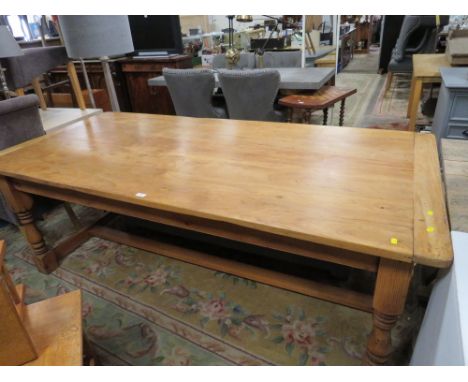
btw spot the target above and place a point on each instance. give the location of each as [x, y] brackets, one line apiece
[250, 94]
[282, 59]
[19, 122]
[192, 91]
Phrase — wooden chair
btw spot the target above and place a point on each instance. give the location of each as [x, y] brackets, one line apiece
[46, 333]
[29, 68]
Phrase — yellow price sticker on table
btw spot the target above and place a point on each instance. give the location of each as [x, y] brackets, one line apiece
[394, 241]
[430, 212]
[430, 229]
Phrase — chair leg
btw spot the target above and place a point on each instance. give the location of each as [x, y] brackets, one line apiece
[36, 83]
[75, 83]
[20, 91]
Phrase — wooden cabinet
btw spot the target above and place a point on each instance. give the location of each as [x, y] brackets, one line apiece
[451, 115]
[131, 77]
[146, 99]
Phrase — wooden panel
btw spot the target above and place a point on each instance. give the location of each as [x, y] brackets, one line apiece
[432, 242]
[349, 188]
[218, 229]
[143, 98]
[55, 326]
[293, 283]
[16, 346]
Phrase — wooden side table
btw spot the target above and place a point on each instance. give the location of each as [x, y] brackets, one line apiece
[426, 69]
[320, 100]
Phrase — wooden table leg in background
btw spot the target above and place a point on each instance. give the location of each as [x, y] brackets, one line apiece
[391, 288]
[415, 99]
[325, 116]
[410, 99]
[21, 204]
[36, 83]
[342, 111]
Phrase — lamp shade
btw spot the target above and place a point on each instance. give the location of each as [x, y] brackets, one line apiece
[96, 36]
[8, 45]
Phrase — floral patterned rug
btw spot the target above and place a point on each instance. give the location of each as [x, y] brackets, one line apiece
[145, 309]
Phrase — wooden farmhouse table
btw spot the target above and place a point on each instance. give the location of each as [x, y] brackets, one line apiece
[362, 198]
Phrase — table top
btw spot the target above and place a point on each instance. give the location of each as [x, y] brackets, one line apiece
[455, 161]
[455, 78]
[290, 78]
[323, 98]
[359, 189]
[428, 65]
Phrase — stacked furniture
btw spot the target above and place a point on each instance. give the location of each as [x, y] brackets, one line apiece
[417, 35]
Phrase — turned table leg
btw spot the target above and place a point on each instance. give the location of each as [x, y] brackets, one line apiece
[325, 116]
[290, 115]
[342, 111]
[21, 204]
[391, 288]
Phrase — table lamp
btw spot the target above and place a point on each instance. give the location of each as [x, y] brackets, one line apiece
[98, 37]
[8, 48]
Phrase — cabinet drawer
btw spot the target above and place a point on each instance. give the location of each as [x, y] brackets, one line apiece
[460, 107]
[456, 130]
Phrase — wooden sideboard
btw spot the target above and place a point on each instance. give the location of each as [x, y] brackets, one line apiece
[131, 81]
[137, 72]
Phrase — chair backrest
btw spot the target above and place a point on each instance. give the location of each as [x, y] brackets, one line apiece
[250, 94]
[191, 91]
[246, 61]
[419, 28]
[19, 120]
[282, 59]
[22, 69]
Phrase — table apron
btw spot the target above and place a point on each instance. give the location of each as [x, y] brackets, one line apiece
[206, 226]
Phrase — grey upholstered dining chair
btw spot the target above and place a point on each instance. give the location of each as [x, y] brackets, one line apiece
[29, 68]
[19, 122]
[282, 59]
[192, 91]
[250, 94]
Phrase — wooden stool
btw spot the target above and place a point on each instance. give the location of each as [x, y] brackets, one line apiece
[320, 100]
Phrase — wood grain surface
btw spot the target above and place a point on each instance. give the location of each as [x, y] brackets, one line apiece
[348, 188]
[325, 97]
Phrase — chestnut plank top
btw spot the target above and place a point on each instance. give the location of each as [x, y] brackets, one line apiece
[350, 188]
